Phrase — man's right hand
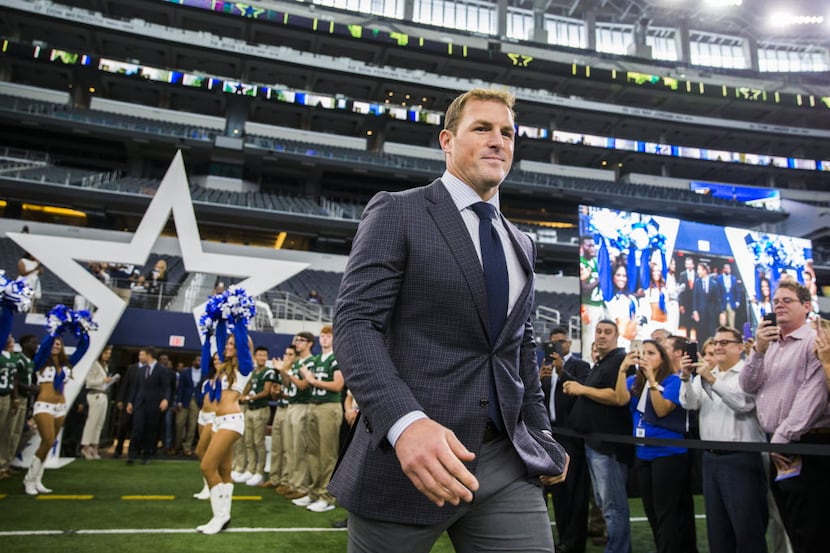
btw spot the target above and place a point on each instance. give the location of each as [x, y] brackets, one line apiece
[431, 457]
[764, 334]
[129, 408]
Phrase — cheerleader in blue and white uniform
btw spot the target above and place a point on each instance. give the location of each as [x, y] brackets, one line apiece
[229, 423]
[53, 368]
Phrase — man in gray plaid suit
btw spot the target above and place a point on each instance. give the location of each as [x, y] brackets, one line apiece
[454, 434]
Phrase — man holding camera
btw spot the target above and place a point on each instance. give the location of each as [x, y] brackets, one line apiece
[734, 482]
[786, 377]
[570, 498]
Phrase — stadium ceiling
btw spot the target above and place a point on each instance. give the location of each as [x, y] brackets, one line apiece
[763, 19]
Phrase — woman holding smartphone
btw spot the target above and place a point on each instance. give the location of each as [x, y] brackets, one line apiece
[663, 472]
[97, 382]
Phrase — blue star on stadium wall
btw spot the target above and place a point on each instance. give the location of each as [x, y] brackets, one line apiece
[62, 255]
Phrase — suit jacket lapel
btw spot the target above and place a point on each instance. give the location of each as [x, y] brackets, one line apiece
[451, 226]
[524, 259]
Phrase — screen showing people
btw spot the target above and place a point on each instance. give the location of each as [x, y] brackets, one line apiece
[647, 272]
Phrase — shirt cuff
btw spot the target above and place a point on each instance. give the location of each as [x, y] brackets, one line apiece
[402, 424]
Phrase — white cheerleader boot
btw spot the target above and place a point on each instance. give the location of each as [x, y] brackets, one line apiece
[30, 480]
[205, 493]
[221, 514]
[38, 481]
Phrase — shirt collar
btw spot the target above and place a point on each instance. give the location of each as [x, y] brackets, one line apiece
[462, 195]
[735, 368]
[801, 333]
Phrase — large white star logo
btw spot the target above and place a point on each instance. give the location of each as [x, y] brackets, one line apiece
[61, 255]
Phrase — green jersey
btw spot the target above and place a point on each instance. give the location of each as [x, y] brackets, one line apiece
[324, 367]
[295, 395]
[25, 371]
[258, 380]
[8, 369]
[596, 294]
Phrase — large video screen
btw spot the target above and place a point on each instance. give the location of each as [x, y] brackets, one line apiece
[647, 272]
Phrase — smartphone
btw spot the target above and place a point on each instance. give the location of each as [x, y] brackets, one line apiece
[772, 318]
[691, 351]
[637, 345]
[551, 348]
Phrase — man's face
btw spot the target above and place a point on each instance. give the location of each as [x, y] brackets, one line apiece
[790, 312]
[660, 336]
[589, 248]
[605, 338]
[689, 264]
[143, 358]
[727, 269]
[325, 340]
[562, 340]
[260, 357]
[302, 345]
[728, 349]
[701, 271]
[9, 343]
[164, 360]
[480, 151]
[289, 357]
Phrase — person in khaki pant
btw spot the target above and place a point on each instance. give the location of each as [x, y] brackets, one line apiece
[187, 407]
[256, 417]
[278, 475]
[8, 404]
[325, 413]
[298, 393]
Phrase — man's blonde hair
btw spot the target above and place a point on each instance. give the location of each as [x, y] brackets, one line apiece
[455, 111]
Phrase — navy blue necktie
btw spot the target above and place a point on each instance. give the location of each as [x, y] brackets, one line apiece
[498, 288]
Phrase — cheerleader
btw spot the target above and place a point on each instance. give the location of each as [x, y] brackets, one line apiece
[206, 415]
[233, 307]
[52, 369]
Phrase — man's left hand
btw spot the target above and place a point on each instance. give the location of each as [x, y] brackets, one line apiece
[551, 480]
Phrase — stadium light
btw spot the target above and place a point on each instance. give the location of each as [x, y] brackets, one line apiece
[784, 19]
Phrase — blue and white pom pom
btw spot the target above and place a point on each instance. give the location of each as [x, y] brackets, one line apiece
[16, 294]
[58, 319]
[212, 315]
[239, 306]
[82, 322]
[61, 318]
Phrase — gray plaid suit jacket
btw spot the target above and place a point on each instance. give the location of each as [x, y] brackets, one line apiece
[410, 333]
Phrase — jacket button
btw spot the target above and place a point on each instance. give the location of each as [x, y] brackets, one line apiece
[483, 402]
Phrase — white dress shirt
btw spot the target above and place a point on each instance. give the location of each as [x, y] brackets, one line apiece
[727, 413]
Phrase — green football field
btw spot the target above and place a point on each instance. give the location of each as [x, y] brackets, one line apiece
[105, 506]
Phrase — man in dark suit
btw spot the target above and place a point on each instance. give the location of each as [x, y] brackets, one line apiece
[732, 300]
[126, 386]
[445, 374]
[571, 497]
[686, 283]
[707, 303]
[148, 403]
